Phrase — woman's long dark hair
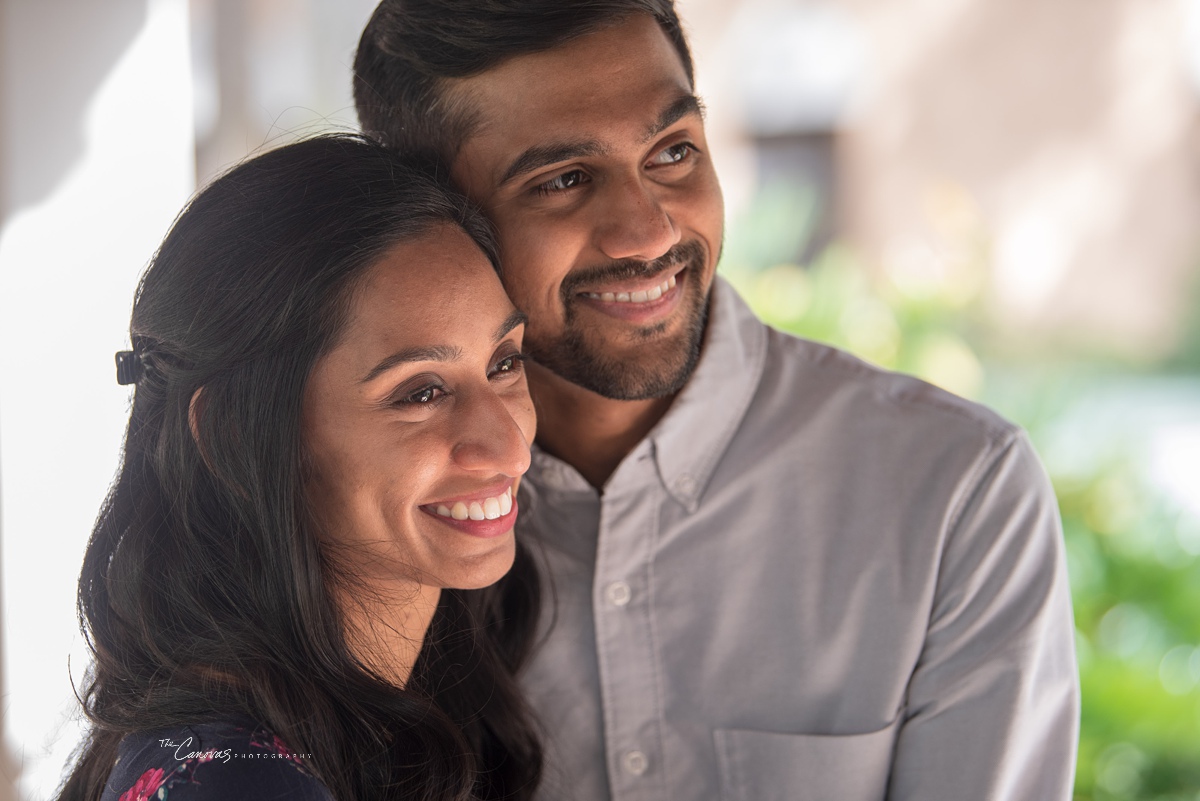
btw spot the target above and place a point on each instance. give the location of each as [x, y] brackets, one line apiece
[204, 592]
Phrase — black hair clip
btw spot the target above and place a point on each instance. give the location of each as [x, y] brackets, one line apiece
[129, 367]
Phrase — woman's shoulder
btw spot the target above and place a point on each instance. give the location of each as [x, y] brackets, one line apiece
[227, 761]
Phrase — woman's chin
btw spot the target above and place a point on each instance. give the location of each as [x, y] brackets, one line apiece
[486, 569]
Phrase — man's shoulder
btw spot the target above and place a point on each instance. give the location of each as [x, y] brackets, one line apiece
[800, 381]
[803, 378]
[841, 433]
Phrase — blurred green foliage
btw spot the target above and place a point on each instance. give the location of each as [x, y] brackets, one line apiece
[1133, 554]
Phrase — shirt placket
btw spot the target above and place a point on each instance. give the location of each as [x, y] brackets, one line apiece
[625, 642]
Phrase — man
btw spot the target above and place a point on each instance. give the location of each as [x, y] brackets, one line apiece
[777, 572]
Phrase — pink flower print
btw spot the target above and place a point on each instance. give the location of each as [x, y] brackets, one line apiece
[145, 787]
[280, 747]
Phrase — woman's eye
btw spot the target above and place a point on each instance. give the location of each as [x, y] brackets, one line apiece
[673, 154]
[422, 397]
[561, 183]
[509, 364]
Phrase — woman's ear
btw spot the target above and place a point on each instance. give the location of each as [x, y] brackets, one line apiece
[195, 409]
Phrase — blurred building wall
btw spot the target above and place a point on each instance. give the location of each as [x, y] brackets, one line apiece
[1074, 128]
[269, 71]
[1065, 133]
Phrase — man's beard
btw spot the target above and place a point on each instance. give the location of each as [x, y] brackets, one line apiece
[667, 363]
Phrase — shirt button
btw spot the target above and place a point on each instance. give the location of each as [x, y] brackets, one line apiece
[619, 593]
[686, 484]
[635, 763]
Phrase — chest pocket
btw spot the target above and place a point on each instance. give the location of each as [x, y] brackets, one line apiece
[768, 766]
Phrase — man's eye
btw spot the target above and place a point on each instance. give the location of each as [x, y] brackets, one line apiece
[673, 154]
[561, 183]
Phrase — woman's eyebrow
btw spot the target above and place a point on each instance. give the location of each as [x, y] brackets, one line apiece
[517, 317]
[423, 353]
[439, 353]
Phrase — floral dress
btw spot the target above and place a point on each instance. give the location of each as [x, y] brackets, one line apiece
[226, 761]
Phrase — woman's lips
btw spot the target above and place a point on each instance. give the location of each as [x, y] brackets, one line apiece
[488, 507]
[488, 516]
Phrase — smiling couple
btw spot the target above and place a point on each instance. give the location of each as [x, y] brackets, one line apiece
[743, 565]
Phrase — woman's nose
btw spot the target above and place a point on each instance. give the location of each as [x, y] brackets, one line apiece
[490, 440]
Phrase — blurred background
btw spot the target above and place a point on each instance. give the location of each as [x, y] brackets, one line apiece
[1001, 196]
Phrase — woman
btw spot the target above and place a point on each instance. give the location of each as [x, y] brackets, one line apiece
[329, 421]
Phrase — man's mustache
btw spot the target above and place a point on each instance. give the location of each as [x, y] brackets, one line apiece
[689, 253]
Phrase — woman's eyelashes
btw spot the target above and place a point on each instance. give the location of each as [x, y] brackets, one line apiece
[428, 391]
[511, 364]
[561, 183]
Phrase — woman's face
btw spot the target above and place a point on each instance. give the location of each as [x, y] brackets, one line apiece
[418, 421]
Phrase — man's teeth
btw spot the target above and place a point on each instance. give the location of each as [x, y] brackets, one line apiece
[634, 297]
[487, 509]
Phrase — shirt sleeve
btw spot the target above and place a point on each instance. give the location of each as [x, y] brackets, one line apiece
[993, 704]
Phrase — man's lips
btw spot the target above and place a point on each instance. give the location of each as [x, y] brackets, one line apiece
[631, 275]
[642, 290]
[640, 302]
[644, 293]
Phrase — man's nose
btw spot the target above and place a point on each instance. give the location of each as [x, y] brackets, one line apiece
[633, 222]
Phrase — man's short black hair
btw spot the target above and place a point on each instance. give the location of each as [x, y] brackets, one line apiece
[411, 47]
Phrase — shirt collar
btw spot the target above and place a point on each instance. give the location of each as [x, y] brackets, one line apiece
[687, 443]
[694, 433]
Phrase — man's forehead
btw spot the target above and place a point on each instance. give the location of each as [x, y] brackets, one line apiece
[624, 82]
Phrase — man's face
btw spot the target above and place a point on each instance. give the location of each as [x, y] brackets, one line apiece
[591, 160]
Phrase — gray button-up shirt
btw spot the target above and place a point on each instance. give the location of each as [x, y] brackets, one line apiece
[812, 580]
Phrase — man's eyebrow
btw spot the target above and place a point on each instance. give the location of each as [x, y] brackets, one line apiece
[540, 155]
[518, 317]
[431, 353]
[688, 104]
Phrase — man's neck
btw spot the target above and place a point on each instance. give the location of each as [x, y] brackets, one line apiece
[588, 431]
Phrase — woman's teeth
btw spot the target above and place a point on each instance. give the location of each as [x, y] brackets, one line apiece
[634, 297]
[487, 509]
